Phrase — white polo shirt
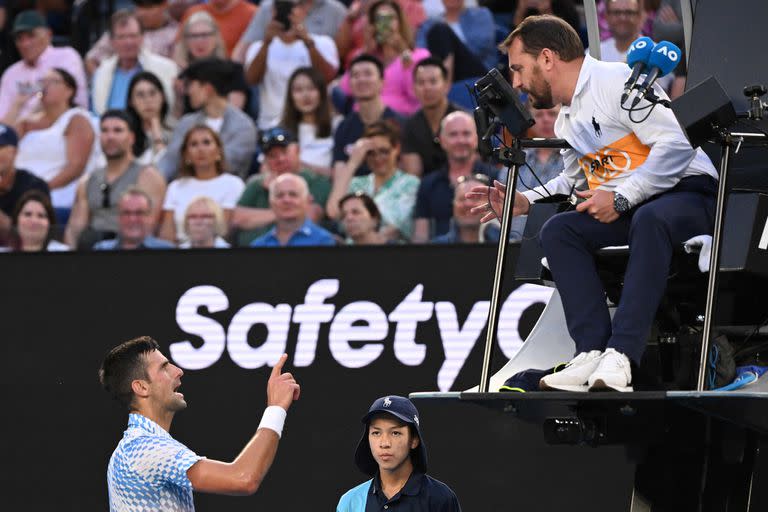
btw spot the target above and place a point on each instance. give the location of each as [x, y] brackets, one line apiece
[609, 151]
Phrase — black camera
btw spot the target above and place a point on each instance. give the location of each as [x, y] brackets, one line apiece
[501, 103]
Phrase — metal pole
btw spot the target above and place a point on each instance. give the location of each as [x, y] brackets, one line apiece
[714, 261]
[593, 30]
[687, 11]
[498, 279]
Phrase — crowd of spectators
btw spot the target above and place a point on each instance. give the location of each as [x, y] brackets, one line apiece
[236, 123]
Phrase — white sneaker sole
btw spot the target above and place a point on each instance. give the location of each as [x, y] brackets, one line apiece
[583, 388]
[601, 385]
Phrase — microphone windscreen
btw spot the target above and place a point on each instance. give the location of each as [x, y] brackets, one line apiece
[639, 51]
[665, 56]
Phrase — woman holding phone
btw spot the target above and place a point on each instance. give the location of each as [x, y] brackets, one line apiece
[388, 37]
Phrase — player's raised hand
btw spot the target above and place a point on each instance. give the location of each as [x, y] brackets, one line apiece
[282, 388]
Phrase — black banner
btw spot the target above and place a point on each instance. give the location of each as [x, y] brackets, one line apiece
[357, 323]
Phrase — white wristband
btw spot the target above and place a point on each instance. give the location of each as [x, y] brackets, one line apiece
[273, 419]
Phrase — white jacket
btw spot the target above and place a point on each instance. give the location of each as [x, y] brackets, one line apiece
[165, 69]
[609, 151]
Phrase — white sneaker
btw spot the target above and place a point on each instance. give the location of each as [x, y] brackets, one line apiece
[574, 376]
[613, 373]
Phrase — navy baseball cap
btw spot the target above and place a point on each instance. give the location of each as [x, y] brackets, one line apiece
[402, 409]
[276, 137]
[8, 136]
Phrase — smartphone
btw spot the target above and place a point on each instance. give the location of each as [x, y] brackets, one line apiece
[283, 10]
[382, 26]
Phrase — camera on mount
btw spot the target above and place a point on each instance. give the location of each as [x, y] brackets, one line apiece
[573, 431]
[498, 105]
[756, 106]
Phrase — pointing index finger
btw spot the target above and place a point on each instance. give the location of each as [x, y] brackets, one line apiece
[278, 368]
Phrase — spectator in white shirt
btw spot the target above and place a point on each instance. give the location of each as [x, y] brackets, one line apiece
[270, 62]
[307, 113]
[201, 173]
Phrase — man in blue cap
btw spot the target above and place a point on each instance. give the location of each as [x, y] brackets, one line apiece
[392, 451]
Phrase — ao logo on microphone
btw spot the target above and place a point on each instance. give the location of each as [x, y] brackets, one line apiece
[639, 44]
[665, 50]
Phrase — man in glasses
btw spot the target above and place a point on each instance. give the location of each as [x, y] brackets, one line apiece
[109, 86]
[134, 211]
[434, 201]
[625, 22]
[159, 33]
[94, 215]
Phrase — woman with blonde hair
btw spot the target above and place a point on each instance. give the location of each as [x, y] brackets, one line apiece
[201, 39]
[204, 225]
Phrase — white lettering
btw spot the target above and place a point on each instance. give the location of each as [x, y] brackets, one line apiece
[343, 331]
[277, 321]
[214, 340]
[509, 318]
[356, 334]
[669, 52]
[407, 315]
[310, 315]
[458, 341]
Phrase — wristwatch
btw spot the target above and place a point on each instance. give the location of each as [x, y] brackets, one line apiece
[620, 203]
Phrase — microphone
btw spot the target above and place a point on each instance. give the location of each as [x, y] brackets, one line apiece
[637, 59]
[665, 56]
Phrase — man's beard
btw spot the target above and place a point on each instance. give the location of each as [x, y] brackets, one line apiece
[541, 92]
[115, 155]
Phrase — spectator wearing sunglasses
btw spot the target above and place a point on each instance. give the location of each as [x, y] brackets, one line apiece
[95, 214]
[434, 203]
[393, 190]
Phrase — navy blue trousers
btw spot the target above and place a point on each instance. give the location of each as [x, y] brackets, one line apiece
[652, 230]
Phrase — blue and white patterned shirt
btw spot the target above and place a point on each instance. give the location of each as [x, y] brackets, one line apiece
[148, 470]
